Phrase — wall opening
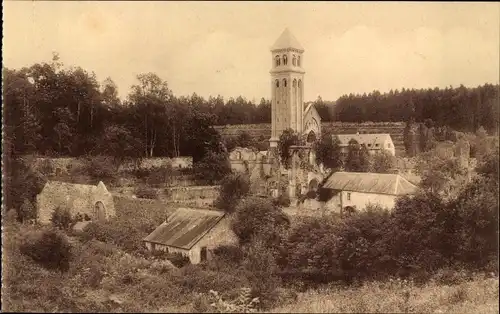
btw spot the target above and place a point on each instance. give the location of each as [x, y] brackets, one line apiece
[99, 211]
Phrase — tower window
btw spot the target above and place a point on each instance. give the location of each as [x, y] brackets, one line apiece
[277, 59]
[284, 82]
[298, 61]
[277, 83]
[285, 60]
[294, 60]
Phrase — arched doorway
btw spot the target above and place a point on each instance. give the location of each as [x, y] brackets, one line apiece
[311, 137]
[313, 185]
[99, 211]
[348, 210]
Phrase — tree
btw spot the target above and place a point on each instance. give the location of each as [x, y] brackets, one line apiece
[244, 139]
[328, 151]
[357, 158]
[213, 167]
[383, 162]
[287, 139]
[257, 219]
[119, 142]
[233, 188]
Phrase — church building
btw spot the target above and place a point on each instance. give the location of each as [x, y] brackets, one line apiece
[287, 86]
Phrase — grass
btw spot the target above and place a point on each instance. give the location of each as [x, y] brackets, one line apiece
[479, 295]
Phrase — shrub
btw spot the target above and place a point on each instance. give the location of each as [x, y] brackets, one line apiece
[159, 175]
[283, 200]
[259, 218]
[61, 218]
[213, 167]
[51, 249]
[27, 210]
[145, 192]
[99, 168]
[233, 188]
[178, 259]
[229, 253]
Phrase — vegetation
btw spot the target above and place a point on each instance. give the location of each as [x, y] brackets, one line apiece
[287, 139]
[233, 188]
[358, 159]
[328, 151]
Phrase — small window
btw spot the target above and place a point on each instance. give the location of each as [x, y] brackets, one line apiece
[348, 196]
[298, 61]
[369, 145]
[294, 60]
[284, 82]
[285, 60]
[277, 83]
[377, 145]
[277, 60]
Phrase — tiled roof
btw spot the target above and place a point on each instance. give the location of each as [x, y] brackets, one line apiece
[380, 183]
[185, 227]
[364, 139]
[287, 40]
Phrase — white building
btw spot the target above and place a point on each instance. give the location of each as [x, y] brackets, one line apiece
[355, 190]
[374, 143]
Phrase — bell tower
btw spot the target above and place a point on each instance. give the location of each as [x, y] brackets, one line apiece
[287, 86]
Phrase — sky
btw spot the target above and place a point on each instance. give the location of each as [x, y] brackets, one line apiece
[213, 48]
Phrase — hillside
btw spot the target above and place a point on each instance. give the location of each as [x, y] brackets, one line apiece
[263, 130]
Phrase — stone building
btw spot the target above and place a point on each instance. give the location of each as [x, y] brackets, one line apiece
[374, 143]
[95, 201]
[193, 233]
[351, 191]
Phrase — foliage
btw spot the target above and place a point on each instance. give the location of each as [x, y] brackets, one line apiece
[358, 159]
[143, 191]
[328, 151]
[51, 249]
[382, 162]
[157, 176]
[233, 188]
[21, 184]
[283, 200]
[244, 139]
[257, 218]
[229, 253]
[61, 218]
[243, 304]
[99, 168]
[287, 138]
[28, 211]
[178, 259]
[213, 167]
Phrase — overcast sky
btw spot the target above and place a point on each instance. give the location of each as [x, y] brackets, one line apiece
[223, 47]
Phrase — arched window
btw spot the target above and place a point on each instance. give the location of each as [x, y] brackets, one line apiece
[300, 83]
[294, 83]
[277, 59]
[238, 155]
[284, 82]
[294, 60]
[285, 60]
[298, 61]
[277, 83]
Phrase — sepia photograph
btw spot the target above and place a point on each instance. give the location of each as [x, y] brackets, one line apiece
[250, 157]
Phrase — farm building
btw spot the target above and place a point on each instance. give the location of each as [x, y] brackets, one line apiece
[95, 201]
[374, 143]
[191, 232]
[355, 190]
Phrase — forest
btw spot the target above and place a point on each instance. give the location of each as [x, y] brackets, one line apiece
[55, 110]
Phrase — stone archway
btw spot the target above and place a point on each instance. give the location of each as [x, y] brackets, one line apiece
[311, 137]
[313, 185]
[348, 210]
[99, 211]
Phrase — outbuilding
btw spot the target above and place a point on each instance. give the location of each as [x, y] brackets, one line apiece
[193, 233]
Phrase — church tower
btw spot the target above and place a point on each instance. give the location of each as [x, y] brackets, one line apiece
[287, 86]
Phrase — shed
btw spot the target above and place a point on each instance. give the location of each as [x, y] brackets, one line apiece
[192, 232]
[95, 201]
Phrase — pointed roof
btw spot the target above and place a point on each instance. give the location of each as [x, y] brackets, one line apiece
[287, 40]
[379, 183]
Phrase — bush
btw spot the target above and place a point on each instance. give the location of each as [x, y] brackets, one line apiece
[233, 188]
[213, 167]
[283, 200]
[51, 249]
[99, 168]
[258, 218]
[145, 192]
[229, 253]
[61, 218]
[27, 210]
[178, 259]
[159, 175]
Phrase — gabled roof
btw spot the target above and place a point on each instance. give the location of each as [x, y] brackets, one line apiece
[287, 40]
[185, 227]
[379, 183]
[364, 139]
